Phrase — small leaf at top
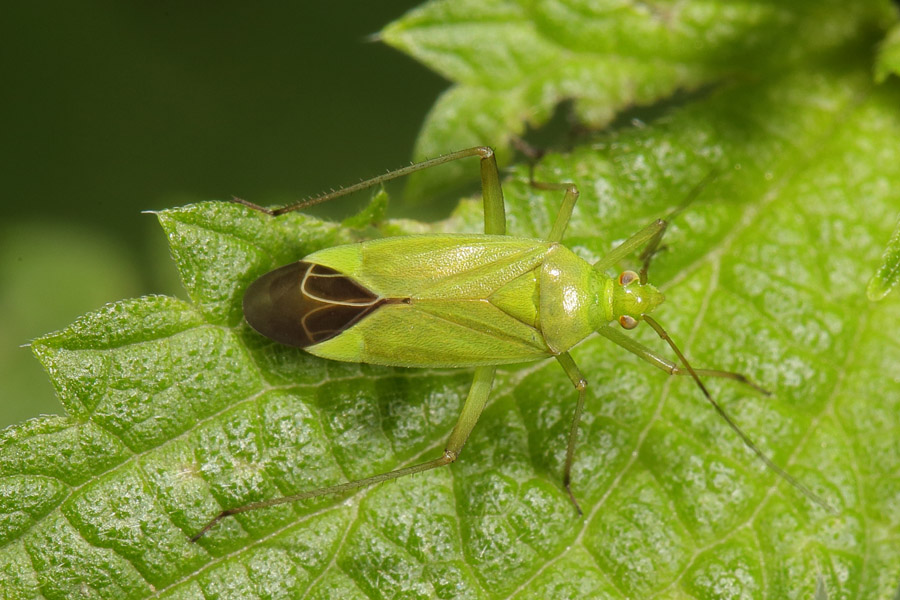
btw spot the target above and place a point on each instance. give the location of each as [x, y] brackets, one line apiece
[888, 60]
[885, 278]
[512, 62]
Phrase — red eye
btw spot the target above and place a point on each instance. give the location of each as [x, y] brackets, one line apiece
[628, 322]
[626, 277]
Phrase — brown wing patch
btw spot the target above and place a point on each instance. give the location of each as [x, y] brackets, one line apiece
[304, 303]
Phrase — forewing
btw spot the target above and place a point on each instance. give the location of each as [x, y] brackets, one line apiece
[304, 303]
[436, 333]
[435, 266]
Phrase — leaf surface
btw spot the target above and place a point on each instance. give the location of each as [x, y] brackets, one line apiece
[176, 409]
[511, 62]
[888, 60]
[885, 278]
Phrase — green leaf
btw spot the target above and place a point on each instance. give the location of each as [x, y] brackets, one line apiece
[92, 270]
[513, 61]
[372, 214]
[176, 409]
[885, 278]
[888, 60]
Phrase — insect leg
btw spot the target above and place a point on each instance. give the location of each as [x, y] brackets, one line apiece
[730, 422]
[471, 410]
[474, 404]
[569, 200]
[651, 249]
[490, 181]
[565, 210]
[648, 234]
[642, 351]
[571, 369]
[492, 196]
[651, 235]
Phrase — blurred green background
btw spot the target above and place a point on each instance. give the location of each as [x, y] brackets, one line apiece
[110, 109]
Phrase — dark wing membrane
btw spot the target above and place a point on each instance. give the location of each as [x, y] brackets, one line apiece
[303, 303]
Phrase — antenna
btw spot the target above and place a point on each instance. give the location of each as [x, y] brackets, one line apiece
[744, 437]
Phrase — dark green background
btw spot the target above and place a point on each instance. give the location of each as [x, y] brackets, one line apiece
[109, 109]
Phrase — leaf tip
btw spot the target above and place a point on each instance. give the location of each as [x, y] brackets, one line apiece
[877, 288]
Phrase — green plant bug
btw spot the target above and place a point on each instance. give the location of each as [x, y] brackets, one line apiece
[466, 300]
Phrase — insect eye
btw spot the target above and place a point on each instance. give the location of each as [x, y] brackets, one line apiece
[628, 322]
[626, 277]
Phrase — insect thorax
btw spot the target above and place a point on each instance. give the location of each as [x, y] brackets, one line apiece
[575, 299]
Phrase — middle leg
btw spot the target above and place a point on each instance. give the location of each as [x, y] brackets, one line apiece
[568, 364]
